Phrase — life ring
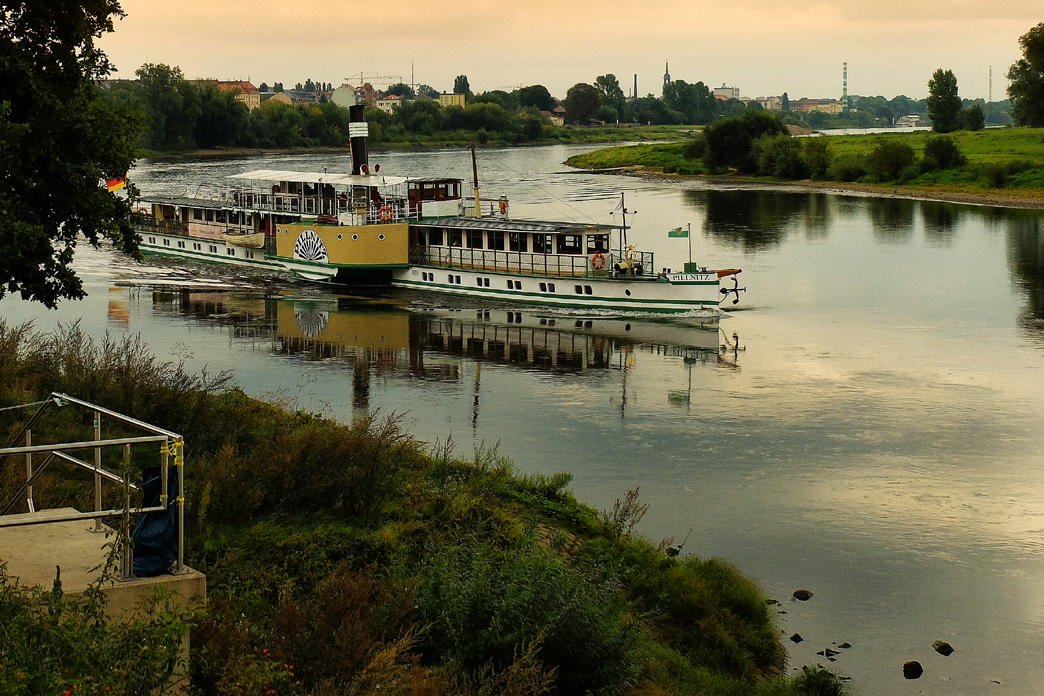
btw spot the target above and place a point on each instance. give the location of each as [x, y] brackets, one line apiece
[385, 213]
[598, 262]
[143, 211]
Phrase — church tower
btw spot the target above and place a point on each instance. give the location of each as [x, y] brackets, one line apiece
[666, 74]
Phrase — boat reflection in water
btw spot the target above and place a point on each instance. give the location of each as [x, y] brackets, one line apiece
[384, 338]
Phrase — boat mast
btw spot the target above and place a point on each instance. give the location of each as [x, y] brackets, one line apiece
[474, 172]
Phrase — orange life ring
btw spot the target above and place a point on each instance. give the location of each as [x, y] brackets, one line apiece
[143, 211]
[598, 262]
[385, 213]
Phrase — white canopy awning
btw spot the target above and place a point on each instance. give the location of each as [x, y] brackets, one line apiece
[321, 177]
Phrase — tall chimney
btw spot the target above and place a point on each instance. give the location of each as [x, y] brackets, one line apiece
[358, 131]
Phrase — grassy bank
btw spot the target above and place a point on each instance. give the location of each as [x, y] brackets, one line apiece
[994, 165]
[355, 559]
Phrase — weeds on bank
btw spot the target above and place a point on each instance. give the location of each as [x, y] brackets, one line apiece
[352, 559]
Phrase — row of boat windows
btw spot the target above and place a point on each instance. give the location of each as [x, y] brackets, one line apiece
[211, 248]
[511, 284]
[513, 241]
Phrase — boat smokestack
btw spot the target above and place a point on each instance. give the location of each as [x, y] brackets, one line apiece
[358, 131]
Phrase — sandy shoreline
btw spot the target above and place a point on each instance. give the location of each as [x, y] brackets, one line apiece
[1030, 200]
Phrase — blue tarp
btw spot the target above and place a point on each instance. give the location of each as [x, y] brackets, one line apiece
[156, 533]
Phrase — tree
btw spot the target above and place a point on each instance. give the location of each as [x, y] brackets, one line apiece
[973, 118]
[536, 95]
[263, 87]
[223, 120]
[581, 102]
[784, 103]
[277, 87]
[730, 141]
[609, 93]
[172, 106]
[59, 142]
[400, 89]
[1026, 90]
[461, 86]
[427, 91]
[944, 105]
[888, 160]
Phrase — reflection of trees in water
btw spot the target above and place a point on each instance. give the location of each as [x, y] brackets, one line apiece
[755, 220]
[891, 218]
[1026, 264]
[940, 222]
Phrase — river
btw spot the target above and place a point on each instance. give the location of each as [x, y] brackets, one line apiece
[868, 426]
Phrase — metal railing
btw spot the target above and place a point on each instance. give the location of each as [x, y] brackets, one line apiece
[171, 444]
[492, 261]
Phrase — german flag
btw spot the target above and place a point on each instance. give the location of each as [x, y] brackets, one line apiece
[117, 184]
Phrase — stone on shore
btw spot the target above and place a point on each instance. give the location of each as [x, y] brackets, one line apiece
[912, 669]
[943, 648]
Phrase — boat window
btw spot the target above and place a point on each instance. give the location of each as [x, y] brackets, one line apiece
[579, 289]
[543, 287]
[542, 244]
[569, 243]
[517, 241]
[496, 240]
[597, 243]
[435, 237]
[511, 285]
[197, 213]
[550, 287]
[587, 290]
[474, 239]
[456, 238]
[210, 216]
[486, 282]
[478, 281]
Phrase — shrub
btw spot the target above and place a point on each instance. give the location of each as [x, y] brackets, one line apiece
[696, 148]
[816, 154]
[942, 152]
[481, 604]
[846, 168]
[888, 160]
[780, 156]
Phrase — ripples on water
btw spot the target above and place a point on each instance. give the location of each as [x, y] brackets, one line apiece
[868, 427]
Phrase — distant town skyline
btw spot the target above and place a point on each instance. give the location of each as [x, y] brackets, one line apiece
[764, 47]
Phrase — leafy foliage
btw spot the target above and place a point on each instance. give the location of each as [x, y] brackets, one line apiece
[59, 143]
[941, 152]
[889, 159]
[581, 102]
[730, 141]
[1026, 75]
[943, 102]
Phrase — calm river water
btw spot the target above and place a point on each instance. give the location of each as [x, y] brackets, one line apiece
[868, 427]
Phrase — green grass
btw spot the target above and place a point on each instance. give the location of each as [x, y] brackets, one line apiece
[1008, 159]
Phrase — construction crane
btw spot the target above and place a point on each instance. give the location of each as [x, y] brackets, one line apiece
[375, 79]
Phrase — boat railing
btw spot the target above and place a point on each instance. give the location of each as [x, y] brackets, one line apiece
[491, 207]
[147, 224]
[562, 265]
[350, 210]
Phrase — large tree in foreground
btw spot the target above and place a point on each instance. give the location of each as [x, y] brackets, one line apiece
[1026, 90]
[944, 105]
[59, 143]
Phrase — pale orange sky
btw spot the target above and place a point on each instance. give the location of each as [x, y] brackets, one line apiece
[765, 47]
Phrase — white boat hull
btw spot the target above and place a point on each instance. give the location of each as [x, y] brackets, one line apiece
[676, 292]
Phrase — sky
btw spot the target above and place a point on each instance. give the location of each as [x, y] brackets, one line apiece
[764, 47]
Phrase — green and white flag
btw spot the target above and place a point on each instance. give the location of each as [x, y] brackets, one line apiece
[678, 232]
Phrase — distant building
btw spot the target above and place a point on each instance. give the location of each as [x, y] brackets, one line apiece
[770, 103]
[347, 95]
[388, 103]
[244, 90]
[806, 105]
[451, 100]
[727, 92]
[556, 119]
[911, 121]
[248, 93]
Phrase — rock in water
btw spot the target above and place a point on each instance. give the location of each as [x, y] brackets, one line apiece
[912, 669]
[796, 638]
[943, 648]
[803, 595]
